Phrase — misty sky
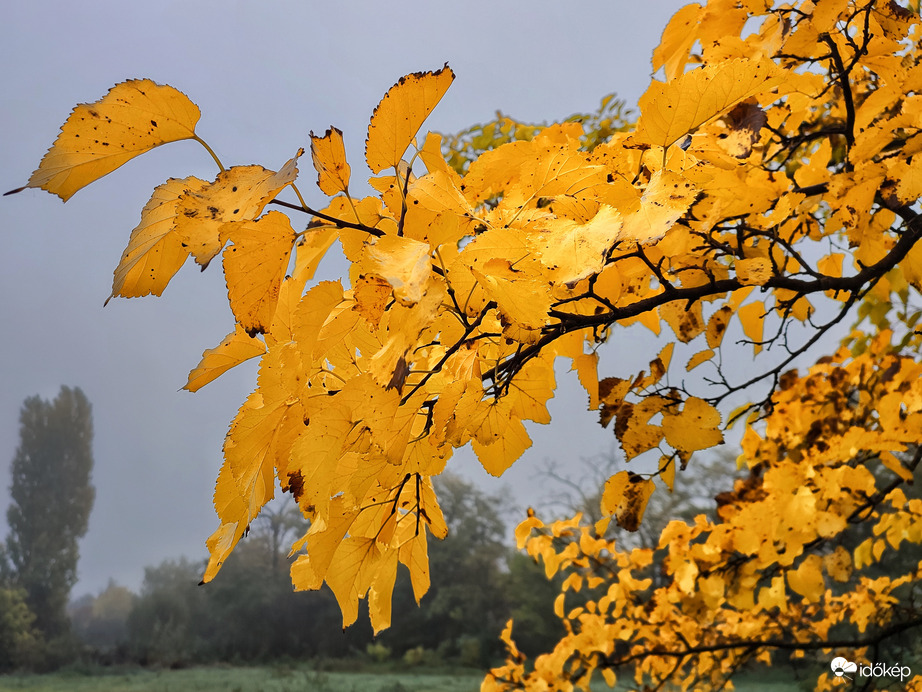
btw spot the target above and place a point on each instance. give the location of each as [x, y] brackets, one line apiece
[264, 75]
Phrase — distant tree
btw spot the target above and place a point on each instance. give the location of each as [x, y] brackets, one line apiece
[20, 642]
[51, 502]
[102, 621]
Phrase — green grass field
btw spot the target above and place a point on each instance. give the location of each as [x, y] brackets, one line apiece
[241, 679]
[282, 678]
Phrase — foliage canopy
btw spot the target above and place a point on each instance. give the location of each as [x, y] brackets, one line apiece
[769, 185]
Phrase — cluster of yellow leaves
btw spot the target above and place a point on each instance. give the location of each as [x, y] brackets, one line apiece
[823, 473]
[464, 289]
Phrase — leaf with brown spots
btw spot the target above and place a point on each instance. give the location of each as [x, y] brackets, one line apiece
[237, 194]
[155, 250]
[329, 157]
[625, 497]
[401, 113]
[133, 118]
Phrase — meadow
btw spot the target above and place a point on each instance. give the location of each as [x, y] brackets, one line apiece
[244, 679]
[283, 678]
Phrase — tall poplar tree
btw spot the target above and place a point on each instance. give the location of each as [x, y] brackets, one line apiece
[55, 453]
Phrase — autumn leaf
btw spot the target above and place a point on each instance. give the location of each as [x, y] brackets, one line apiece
[401, 113]
[625, 497]
[807, 579]
[254, 267]
[574, 251]
[329, 156]
[696, 427]
[666, 198]
[501, 453]
[676, 42]
[670, 111]
[133, 118]
[754, 271]
[236, 348]
[238, 194]
[404, 263]
[155, 250]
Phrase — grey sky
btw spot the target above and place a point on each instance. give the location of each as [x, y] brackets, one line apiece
[264, 75]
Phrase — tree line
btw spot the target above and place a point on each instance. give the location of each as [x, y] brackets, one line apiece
[250, 614]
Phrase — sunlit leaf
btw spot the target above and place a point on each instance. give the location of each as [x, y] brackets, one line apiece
[236, 348]
[670, 111]
[155, 250]
[133, 118]
[238, 194]
[329, 156]
[254, 266]
[401, 113]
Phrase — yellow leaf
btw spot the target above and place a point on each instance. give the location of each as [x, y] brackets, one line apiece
[415, 555]
[438, 191]
[254, 267]
[322, 540]
[666, 198]
[530, 390]
[381, 590]
[155, 250]
[311, 248]
[754, 271]
[238, 194]
[236, 348]
[838, 564]
[831, 264]
[667, 471]
[524, 529]
[133, 118]
[610, 677]
[574, 250]
[625, 497]
[521, 298]
[676, 42]
[670, 111]
[632, 426]
[717, 326]
[894, 464]
[400, 114]
[685, 575]
[695, 427]
[314, 457]
[246, 480]
[404, 263]
[773, 596]
[329, 157]
[699, 358]
[356, 560]
[587, 369]
[501, 453]
[807, 579]
[686, 321]
[752, 316]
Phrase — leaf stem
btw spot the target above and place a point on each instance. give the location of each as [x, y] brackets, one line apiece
[210, 151]
[298, 193]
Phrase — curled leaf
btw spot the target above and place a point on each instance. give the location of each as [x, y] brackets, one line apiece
[329, 157]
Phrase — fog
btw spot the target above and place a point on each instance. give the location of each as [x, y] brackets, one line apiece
[264, 75]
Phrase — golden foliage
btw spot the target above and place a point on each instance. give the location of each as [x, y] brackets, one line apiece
[773, 183]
